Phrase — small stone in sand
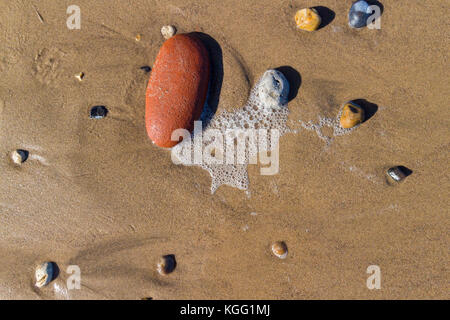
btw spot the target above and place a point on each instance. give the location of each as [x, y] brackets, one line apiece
[80, 76]
[307, 19]
[399, 173]
[352, 115]
[273, 90]
[146, 68]
[98, 112]
[167, 264]
[168, 31]
[19, 156]
[358, 14]
[44, 274]
[138, 37]
[279, 249]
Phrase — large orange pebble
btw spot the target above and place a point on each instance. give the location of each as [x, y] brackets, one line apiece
[177, 88]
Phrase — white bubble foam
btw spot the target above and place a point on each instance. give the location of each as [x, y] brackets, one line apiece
[265, 109]
[333, 123]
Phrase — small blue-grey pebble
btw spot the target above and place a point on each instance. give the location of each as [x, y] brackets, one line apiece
[358, 14]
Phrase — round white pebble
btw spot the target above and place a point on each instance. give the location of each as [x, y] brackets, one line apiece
[168, 31]
[273, 89]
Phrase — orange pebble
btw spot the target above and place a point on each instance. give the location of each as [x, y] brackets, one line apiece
[177, 88]
[307, 19]
[352, 115]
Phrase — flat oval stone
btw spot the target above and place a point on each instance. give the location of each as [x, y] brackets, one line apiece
[177, 88]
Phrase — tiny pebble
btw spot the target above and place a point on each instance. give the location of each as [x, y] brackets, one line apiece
[398, 173]
[279, 249]
[168, 31]
[19, 156]
[167, 264]
[146, 68]
[98, 112]
[138, 37]
[80, 76]
[44, 274]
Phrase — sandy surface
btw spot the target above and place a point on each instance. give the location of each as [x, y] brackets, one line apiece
[98, 194]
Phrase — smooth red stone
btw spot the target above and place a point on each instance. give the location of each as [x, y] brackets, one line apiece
[177, 88]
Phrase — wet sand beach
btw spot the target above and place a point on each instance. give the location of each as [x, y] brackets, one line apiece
[98, 194]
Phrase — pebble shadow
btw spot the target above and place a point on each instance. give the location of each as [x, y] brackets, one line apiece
[294, 78]
[405, 170]
[215, 83]
[327, 15]
[55, 270]
[369, 108]
[171, 262]
[376, 3]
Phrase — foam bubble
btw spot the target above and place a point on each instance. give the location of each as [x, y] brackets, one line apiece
[266, 109]
[333, 123]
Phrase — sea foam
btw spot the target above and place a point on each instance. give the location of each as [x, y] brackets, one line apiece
[328, 122]
[266, 110]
